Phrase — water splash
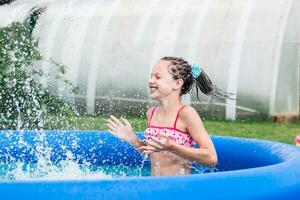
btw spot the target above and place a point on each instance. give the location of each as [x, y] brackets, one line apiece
[65, 170]
[37, 156]
[201, 169]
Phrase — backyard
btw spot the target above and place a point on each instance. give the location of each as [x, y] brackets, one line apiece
[268, 130]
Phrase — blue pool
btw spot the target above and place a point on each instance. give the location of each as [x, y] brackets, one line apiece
[247, 169]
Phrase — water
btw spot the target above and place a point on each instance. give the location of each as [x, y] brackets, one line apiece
[67, 170]
[28, 155]
[69, 155]
[70, 170]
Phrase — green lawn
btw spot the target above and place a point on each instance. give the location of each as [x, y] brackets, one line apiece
[282, 132]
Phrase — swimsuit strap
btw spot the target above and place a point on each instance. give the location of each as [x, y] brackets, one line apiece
[151, 116]
[178, 116]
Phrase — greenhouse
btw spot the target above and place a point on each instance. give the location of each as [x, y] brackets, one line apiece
[249, 48]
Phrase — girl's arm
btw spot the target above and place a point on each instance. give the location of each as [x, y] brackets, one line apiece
[205, 154]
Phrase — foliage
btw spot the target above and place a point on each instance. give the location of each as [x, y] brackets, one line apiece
[25, 103]
[5, 1]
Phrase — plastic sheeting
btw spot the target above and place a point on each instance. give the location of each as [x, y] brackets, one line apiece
[248, 47]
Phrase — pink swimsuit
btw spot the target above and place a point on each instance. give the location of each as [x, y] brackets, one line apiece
[174, 134]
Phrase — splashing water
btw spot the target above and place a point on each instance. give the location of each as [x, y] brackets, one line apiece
[31, 156]
[42, 155]
[67, 170]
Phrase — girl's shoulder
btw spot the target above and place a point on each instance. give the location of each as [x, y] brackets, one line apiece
[188, 112]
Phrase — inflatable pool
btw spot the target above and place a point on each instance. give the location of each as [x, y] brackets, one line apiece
[248, 169]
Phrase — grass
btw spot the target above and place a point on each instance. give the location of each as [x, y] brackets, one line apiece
[281, 132]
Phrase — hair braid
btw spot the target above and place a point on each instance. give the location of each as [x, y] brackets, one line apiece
[180, 68]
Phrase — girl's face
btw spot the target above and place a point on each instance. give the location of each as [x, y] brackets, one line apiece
[161, 82]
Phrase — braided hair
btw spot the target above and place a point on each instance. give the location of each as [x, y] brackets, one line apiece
[180, 68]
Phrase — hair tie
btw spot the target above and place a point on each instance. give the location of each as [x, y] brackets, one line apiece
[196, 70]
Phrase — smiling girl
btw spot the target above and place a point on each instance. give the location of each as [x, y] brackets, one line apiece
[173, 128]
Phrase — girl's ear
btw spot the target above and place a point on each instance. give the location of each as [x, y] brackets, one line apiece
[179, 83]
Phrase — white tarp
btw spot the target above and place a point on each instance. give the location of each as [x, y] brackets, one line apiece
[248, 47]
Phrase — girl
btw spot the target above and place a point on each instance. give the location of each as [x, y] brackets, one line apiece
[173, 128]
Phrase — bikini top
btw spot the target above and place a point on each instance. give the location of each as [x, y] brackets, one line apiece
[174, 134]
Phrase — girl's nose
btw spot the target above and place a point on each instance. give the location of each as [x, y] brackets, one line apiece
[151, 80]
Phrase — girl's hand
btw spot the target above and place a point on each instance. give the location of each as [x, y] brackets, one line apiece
[156, 145]
[121, 129]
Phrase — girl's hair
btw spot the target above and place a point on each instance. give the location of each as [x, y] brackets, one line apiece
[179, 68]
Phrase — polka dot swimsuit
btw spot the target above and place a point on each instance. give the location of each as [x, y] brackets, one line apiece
[174, 134]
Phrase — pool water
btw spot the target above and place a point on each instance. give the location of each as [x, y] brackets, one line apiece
[70, 170]
[31, 155]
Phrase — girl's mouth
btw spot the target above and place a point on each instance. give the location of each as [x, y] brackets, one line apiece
[152, 89]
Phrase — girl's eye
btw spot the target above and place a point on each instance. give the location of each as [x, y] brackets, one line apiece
[155, 76]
